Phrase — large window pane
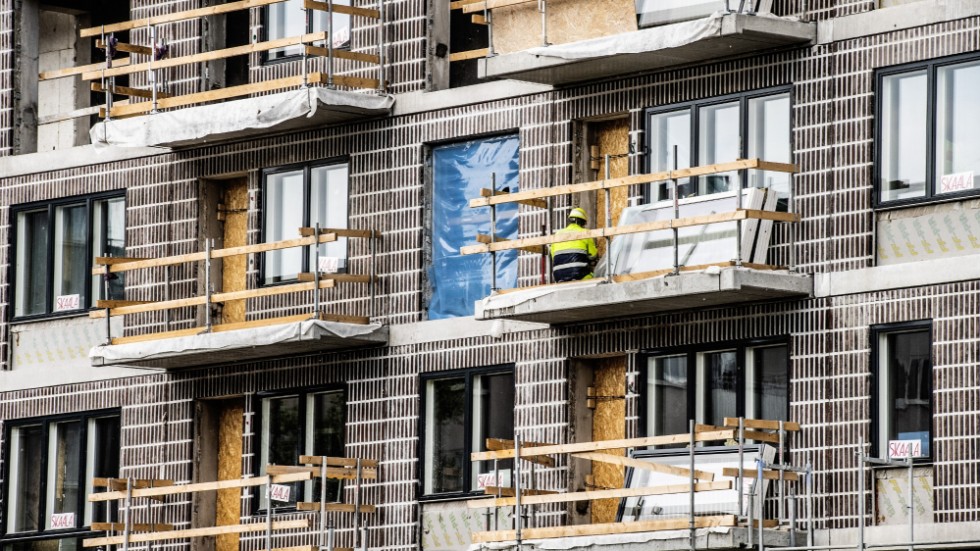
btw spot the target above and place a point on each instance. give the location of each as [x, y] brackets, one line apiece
[445, 435]
[282, 433]
[957, 131]
[904, 136]
[720, 386]
[769, 383]
[24, 486]
[493, 417]
[326, 412]
[769, 139]
[283, 218]
[328, 207]
[109, 239]
[102, 460]
[667, 395]
[70, 256]
[670, 132]
[289, 19]
[718, 142]
[32, 263]
[64, 469]
[905, 388]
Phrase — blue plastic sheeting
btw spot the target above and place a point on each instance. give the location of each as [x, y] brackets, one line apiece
[459, 172]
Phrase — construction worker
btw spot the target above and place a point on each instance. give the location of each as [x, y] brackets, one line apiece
[573, 260]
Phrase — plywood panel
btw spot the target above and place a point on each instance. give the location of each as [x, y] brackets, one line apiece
[608, 423]
[229, 467]
[612, 138]
[517, 28]
[235, 203]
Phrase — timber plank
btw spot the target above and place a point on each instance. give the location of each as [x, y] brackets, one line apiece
[120, 526]
[496, 444]
[591, 495]
[310, 548]
[539, 203]
[203, 486]
[470, 54]
[314, 472]
[605, 445]
[343, 54]
[82, 69]
[338, 461]
[196, 532]
[139, 483]
[608, 528]
[174, 17]
[765, 424]
[334, 507]
[129, 91]
[341, 232]
[340, 278]
[645, 465]
[493, 4]
[509, 492]
[123, 47]
[483, 238]
[767, 474]
[339, 8]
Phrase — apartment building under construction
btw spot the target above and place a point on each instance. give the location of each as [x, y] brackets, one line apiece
[277, 274]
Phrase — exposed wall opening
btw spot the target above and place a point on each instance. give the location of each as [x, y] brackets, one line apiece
[218, 430]
[223, 216]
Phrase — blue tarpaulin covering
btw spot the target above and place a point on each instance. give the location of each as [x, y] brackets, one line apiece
[460, 171]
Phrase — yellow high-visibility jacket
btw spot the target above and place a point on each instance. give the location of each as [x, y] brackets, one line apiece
[570, 259]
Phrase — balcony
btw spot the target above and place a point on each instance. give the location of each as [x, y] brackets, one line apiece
[245, 336]
[700, 252]
[551, 46]
[150, 101]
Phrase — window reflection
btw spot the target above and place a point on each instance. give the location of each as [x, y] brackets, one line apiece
[904, 135]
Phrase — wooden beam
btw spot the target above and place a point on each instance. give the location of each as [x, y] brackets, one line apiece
[128, 91]
[493, 4]
[618, 493]
[478, 19]
[536, 249]
[174, 17]
[216, 298]
[605, 445]
[341, 318]
[749, 434]
[497, 444]
[160, 335]
[81, 69]
[658, 225]
[120, 526]
[110, 260]
[744, 164]
[338, 461]
[334, 507]
[509, 492]
[470, 54]
[123, 47]
[764, 424]
[139, 264]
[256, 47]
[601, 529]
[74, 114]
[458, 4]
[310, 548]
[332, 472]
[139, 483]
[340, 278]
[353, 82]
[343, 54]
[645, 465]
[338, 8]
[202, 487]
[539, 203]
[341, 232]
[196, 532]
[767, 474]
[118, 303]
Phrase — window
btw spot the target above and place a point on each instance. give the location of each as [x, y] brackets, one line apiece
[928, 142]
[462, 410]
[289, 19]
[55, 245]
[303, 197]
[459, 172]
[903, 381]
[709, 385]
[302, 423]
[712, 131]
[52, 464]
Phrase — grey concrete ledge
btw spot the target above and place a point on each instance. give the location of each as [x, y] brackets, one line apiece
[895, 18]
[897, 276]
[421, 102]
[455, 328]
[75, 157]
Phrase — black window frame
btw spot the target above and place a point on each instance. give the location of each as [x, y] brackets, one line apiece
[875, 333]
[691, 352]
[931, 67]
[303, 393]
[307, 168]
[51, 206]
[267, 59]
[693, 107]
[42, 533]
[468, 374]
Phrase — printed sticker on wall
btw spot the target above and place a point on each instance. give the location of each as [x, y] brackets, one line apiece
[328, 264]
[67, 302]
[279, 492]
[62, 520]
[960, 181]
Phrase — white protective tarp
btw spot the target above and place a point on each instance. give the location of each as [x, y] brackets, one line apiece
[279, 334]
[587, 542]
[239, 118]
[507, 300]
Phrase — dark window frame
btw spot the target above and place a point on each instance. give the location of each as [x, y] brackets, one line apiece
[468, 374]
[876, 332]
[307, 168]
[42, 533]
[691, 353]
[303, 394]
[693, 107]
[265, 57]
[931, 67]
[50, 207]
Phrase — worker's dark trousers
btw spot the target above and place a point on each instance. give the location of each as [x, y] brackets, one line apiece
[570, 266]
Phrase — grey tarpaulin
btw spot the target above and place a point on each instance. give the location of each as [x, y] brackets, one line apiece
[241, 118]
[241, 344]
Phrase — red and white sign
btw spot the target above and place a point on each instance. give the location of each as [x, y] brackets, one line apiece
[900, 449]
[63, 520]
[956, 182]
[279, 492]
[328, 264]
[67, 302]
[485, 480]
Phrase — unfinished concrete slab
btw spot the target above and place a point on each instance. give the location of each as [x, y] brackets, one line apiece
[245, 118]
[241, 345]
[705, 39]
[597, 299]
